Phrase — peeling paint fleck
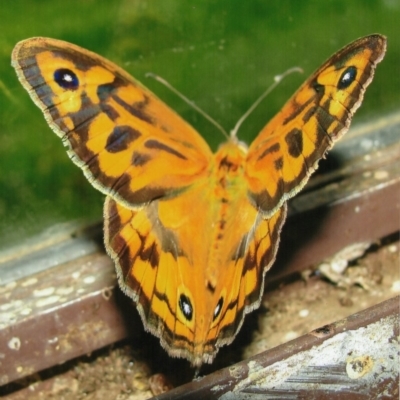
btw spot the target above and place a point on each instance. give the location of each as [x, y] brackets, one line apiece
[12, 305]
[304, 313]
[44, 292]
[290, 336]
[47, 301]
[29, 282]
[235, 371]
[381, 174]
[357, 367]
[14, 343]
[64, 290]
[89, 279]
[26, 311]
[107, 293]
[11, 285]
[395, 286]
[7, 319]
[333, 268]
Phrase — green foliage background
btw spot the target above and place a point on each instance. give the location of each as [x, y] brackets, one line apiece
[221, 54]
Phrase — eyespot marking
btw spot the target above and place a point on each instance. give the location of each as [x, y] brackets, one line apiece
[218, 308]
[66, 79]
[347, 78]
[186, 307]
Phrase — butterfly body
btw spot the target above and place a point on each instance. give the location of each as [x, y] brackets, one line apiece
[191, 233]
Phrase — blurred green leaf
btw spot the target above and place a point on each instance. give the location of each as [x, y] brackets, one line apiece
[221, 54]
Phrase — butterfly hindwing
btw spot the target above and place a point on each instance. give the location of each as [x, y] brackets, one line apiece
[193, 298]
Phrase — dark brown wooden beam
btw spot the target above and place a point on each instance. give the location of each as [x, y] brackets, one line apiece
[355, 358]
[63, 311]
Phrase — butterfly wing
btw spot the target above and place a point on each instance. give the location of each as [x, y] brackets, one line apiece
[129, 144]
[286, 152]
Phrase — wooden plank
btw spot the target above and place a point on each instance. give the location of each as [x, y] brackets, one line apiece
[62, 311]
[355, 358]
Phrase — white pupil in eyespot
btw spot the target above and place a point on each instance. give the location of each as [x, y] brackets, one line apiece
[346, 76]
[187, 309]
[67, 78]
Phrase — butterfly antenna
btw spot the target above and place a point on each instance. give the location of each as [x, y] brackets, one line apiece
[277, 80]
[188, 101]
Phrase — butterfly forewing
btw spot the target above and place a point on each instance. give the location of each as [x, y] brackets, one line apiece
[287, 151]
[129, 144]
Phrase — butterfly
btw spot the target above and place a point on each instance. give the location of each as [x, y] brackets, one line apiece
[192, 233]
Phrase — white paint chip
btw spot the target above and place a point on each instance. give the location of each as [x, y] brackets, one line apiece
[47, 301]
[357, 367]
[53, 340]
[44, 292]
[290, 336]
[12, 305]
[304, 313]
[29, 282]
[64, 290]
[9, 286]
[395, 286]
[89, 279]
[381, 174]
[6, 319]
[106, 293]
[14, 343]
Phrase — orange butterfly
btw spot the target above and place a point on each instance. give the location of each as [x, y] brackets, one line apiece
[192, 233]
